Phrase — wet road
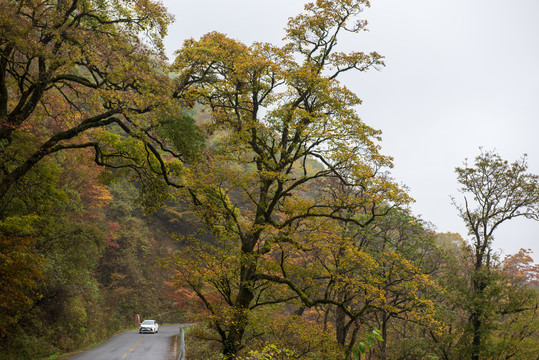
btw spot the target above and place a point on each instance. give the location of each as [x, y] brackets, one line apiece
[134, 346]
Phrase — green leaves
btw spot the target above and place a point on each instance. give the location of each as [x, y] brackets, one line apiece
[494, 191]
[181, 131]
[363, 347]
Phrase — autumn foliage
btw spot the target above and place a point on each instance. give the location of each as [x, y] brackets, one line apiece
[240, 188]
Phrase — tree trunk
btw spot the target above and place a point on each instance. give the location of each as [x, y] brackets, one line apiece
[233, 343]
[240, 318]
[476, 316]
[479, 285]
[340, 326]
[476, 341]
[385, 319]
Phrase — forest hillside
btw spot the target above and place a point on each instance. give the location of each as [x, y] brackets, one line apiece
[236, 188]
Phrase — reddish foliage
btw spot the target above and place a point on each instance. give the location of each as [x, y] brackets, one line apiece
[522, 268]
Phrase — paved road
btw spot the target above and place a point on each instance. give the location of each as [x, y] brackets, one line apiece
[134, 346]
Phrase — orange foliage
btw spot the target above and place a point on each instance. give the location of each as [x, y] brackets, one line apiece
[522, 268]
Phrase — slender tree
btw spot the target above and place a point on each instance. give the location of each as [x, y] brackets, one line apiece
[494, 192]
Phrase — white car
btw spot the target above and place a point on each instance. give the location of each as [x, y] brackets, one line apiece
[149, 326]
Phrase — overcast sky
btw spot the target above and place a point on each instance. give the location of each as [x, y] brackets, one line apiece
[459, 75]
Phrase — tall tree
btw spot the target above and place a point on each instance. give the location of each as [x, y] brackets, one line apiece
[75, 69]
[494, 192]
[282, 125]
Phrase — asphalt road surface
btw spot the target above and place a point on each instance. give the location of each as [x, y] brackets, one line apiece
[134, 346]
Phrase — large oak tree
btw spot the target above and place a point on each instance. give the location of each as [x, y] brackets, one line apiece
[86, 74]
[285, 136]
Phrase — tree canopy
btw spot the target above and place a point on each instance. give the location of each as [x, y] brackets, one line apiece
[494, 191]
[86, 74]
[288, 146]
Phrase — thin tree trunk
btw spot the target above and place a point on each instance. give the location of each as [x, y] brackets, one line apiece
[385, 319]
[479, 286]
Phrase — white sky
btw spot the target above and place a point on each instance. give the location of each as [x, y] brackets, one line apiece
[459, 75]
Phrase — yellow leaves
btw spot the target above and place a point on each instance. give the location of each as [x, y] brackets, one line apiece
[212, 48]
[355, 60]
[291, 337]
[272, 352]
[101, 195]
[306, 114]
[288, 170]
[272, 176]
[228, 76]
[321, 21]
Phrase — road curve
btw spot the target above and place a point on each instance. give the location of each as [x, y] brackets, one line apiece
[131, 345]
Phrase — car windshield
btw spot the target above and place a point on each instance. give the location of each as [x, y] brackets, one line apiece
[147, 322]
